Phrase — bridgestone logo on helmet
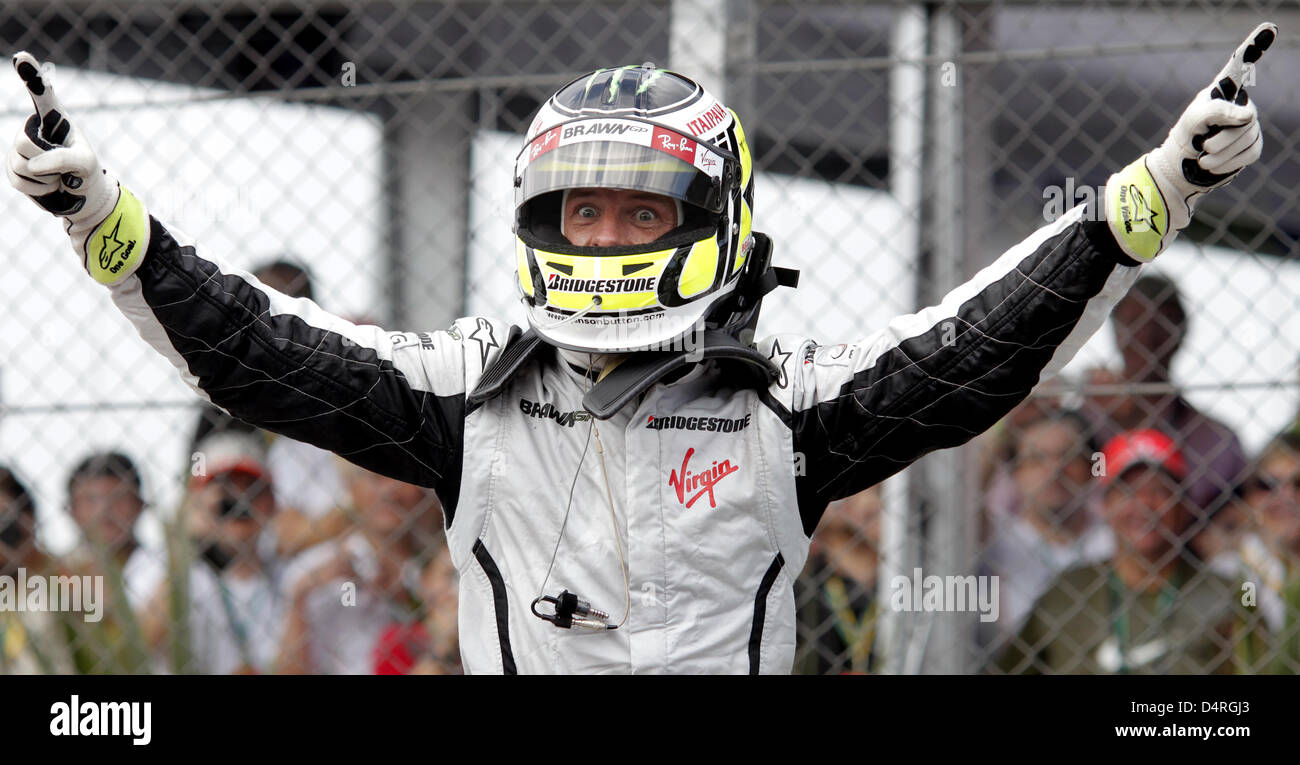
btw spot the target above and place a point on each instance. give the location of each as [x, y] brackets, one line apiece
[561, 284]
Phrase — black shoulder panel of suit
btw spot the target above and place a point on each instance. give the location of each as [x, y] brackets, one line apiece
[283, 374]
[936, 390]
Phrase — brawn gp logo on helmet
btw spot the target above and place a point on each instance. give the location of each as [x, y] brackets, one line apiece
[603, 127]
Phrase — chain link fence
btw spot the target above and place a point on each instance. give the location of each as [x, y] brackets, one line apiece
[1138, 513]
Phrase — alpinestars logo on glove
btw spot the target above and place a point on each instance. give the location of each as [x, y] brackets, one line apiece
[1138, 215]
[116, 246]
[700, 483]
[106, 255]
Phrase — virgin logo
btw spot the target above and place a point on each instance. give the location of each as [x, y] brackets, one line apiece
[699, 484]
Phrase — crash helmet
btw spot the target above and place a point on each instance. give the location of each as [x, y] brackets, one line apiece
[645, 129]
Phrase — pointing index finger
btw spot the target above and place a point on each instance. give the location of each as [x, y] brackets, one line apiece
[38, 86]
[1248, 53]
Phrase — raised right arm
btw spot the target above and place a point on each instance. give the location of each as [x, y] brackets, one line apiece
[391, 402]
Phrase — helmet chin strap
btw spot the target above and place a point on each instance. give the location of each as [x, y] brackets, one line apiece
[564, 205]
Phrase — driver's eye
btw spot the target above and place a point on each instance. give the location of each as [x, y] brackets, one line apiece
[586, 211]
[646, 216]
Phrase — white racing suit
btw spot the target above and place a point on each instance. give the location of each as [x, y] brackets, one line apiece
[716, 487]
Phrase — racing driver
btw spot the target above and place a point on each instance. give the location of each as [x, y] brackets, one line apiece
[629, 483]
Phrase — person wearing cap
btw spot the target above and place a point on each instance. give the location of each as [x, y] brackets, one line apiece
[1147, 609]
[1151, 325]
[235, 613]
[637, 435]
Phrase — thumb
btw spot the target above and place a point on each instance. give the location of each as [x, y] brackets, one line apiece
[61, 160]
[1227, 114]
[1207, 114]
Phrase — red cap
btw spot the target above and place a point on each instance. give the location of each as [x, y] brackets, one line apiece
[1142, 447]
[230, 452]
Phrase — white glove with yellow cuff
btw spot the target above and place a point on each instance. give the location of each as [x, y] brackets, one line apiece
[1151, 200]
[51, 162]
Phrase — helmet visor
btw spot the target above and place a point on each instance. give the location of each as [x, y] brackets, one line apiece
[623, 154]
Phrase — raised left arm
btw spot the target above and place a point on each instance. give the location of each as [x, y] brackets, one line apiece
[936, 378]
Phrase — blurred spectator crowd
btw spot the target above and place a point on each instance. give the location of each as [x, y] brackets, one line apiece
[1129, 532]
[282, 559]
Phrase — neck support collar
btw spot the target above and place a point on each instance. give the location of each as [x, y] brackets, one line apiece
[634, 375]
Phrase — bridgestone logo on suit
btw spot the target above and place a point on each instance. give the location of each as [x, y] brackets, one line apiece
[707, 424]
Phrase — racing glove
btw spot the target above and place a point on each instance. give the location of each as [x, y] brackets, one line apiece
[51, 162]
[1151, 200]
